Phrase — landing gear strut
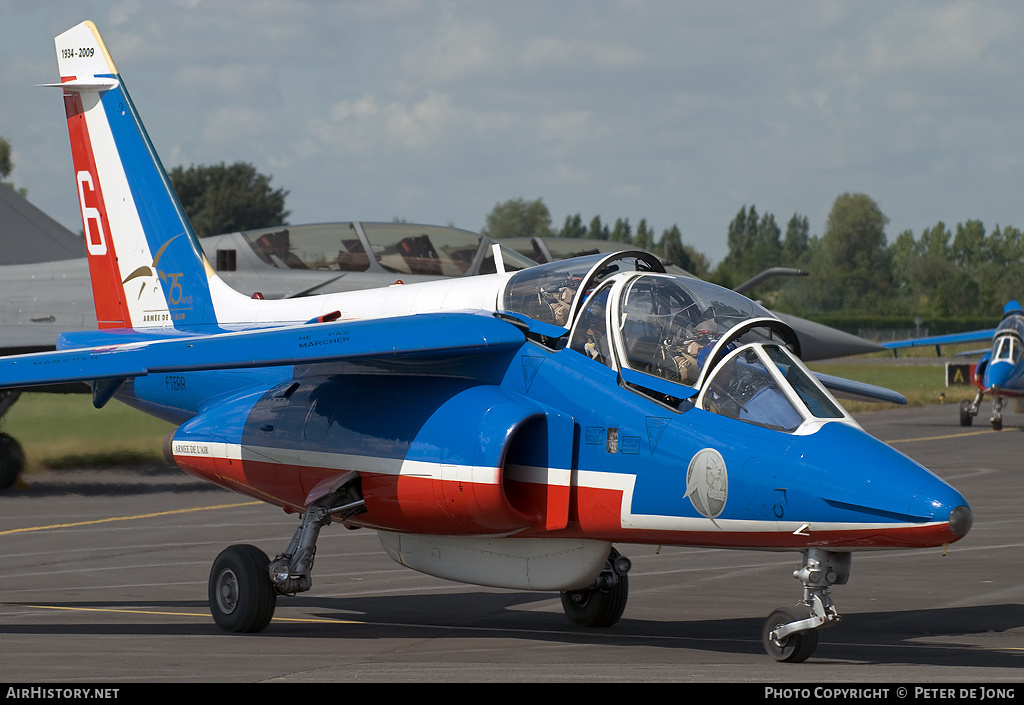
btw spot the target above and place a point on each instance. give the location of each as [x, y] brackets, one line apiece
[997, 414]
[790, 633]
[244, 583]
[12, 457]
[601, 604]
[969, 409]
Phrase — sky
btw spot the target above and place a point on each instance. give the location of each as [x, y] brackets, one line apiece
[672, 111]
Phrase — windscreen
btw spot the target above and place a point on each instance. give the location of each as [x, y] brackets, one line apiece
[743, 388]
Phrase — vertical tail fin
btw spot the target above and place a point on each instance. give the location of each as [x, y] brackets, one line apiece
[146, 264]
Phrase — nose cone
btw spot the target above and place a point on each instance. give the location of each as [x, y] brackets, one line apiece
[884, 498]
[961, 519]
[998, 375]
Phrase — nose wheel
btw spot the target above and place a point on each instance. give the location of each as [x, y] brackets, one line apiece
[795, 647]
[790, 634]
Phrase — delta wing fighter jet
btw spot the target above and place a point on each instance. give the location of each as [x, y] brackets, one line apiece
[503, 430]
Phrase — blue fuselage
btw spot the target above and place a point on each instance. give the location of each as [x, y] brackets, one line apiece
[614, 463]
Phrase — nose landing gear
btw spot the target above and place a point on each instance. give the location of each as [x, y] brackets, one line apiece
[790, 633]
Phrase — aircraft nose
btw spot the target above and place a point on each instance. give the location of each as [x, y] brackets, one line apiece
[878, 485]
[997, 375]
[961, 519]
[939, 502]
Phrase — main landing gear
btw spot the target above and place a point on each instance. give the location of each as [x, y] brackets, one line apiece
[790, 633]
[601, 604]
[244, 583]
[12, 457]
[969, 409]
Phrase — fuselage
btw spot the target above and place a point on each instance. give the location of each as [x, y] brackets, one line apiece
[559, 440]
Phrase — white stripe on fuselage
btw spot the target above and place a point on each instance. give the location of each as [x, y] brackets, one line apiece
[589, 479]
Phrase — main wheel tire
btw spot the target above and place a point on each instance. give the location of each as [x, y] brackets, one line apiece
[796, 647]
[596, 608]
[966, 417]
[997, 424]
[242, 598]
[12, 461]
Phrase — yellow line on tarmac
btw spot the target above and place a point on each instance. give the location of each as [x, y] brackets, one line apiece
[128, 518]
[168, 614]
[940, 438]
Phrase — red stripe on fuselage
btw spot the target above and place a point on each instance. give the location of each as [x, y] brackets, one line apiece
[393, 502]
[108, 293]
[417, 505]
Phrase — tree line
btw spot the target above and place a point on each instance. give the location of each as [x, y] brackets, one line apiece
[521, 218]
[853, 269]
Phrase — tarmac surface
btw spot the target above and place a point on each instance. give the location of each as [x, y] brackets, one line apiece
[105, 580]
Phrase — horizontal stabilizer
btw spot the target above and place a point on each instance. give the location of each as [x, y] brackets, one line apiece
[143, 353]
[81, 86]
[859, 391]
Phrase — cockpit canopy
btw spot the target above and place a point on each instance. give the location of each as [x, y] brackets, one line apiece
[1007, 345]
[675, 338]
[398, 248]
[551, 293]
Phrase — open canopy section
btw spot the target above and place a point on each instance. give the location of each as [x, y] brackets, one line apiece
[669, 326]
[398, 248]
[552, 293]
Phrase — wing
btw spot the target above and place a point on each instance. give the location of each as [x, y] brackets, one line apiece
[939, 340]
[129, 353]
[859, 391]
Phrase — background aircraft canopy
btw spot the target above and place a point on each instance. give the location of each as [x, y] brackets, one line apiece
[399, 248]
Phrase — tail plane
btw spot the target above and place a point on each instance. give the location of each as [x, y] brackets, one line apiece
[147, 266]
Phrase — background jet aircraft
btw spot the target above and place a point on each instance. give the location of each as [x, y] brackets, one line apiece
[999, 372]
[247, 261]
[45, 289]
[502, 429]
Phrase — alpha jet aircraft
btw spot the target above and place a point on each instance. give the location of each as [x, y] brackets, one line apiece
[503, 430]
[1000, 370]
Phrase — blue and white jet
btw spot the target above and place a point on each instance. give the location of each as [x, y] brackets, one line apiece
[503, 430]
[999, 372]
